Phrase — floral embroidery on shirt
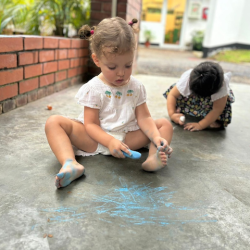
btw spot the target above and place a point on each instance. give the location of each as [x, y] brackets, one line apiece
[130, 92]
[118, 95]
[108, 94]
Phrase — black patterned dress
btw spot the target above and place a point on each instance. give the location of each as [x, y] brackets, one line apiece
[199, 106]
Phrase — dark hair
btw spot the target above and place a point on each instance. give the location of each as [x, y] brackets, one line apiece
[206, 79]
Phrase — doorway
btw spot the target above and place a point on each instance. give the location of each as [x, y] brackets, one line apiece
[163, 19]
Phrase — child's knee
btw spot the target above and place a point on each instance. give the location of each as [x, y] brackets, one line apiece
[167, 124]
[51, 121]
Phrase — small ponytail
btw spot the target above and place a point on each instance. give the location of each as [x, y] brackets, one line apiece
[86, 32]
[134, 20]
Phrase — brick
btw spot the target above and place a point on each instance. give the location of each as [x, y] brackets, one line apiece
[11, 44]
[31, 43]
[50, 90]
[106, 7]
[33, 70]
[63, 64]
[61, 75]
[50, 43]
[21, 100]
[32, 96]
[122, 15]
[9, 105]
[81, 70]
[77, 43]
[96, 6]
[41, 93]
[25, 58]
[85, 44]
[84, 61]
[83, 52]
[9, 76]
[99, 16]
[61, 54]
[28, 85]
[46, 55]
[75, 80]
[121, 7]
[74, 62]
[49, 67]
[72, 53]
[72, 72]
[8, 61]
[47, 79]
[61, 85]
[64, 43]
[8, 91]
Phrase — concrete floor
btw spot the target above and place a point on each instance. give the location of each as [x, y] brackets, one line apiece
[199, 201]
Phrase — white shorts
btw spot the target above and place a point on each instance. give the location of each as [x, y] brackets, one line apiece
[100, 148]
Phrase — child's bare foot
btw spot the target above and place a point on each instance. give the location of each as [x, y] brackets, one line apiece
[155, 161]
[70, 171]
[215, 125]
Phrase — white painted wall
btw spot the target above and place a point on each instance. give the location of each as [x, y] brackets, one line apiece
[191, 25]
[244, 30]
[156, 29]
[228, 22]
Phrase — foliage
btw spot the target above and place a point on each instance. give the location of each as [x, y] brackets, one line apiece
[148, 35]
[234, 56]
[13, 12]
[197, 40]
[35, 15]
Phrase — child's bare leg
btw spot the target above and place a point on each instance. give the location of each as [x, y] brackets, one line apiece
[61, 133]
[157, 159]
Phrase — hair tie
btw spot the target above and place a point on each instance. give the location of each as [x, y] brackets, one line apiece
[92, 32]
[134, 20]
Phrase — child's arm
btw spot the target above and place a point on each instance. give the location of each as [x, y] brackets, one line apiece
[212, 116]
[92, 125]
[148, 127]
[171, 105]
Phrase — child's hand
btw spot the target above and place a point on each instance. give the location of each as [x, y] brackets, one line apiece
[192, 127]
[176, 118]
[116, 147]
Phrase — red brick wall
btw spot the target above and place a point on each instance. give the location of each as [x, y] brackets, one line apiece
[32, 67]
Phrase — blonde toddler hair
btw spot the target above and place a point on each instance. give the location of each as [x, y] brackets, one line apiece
[111, 36]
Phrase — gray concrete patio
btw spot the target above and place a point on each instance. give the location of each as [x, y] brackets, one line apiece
[199, 201]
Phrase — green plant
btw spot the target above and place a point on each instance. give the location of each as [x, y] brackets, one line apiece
[58, 14]
[148, 35]
[197, 40]
[33, 15]
[13, 12]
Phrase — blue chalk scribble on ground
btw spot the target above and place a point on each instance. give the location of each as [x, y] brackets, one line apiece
[134, 204]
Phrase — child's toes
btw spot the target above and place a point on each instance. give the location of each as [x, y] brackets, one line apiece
[57, 182]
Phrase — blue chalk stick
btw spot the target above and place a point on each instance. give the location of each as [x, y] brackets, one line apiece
[134, 154]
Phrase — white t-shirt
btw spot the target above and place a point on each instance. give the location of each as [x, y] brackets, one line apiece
[116, 104]
[183, 86]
